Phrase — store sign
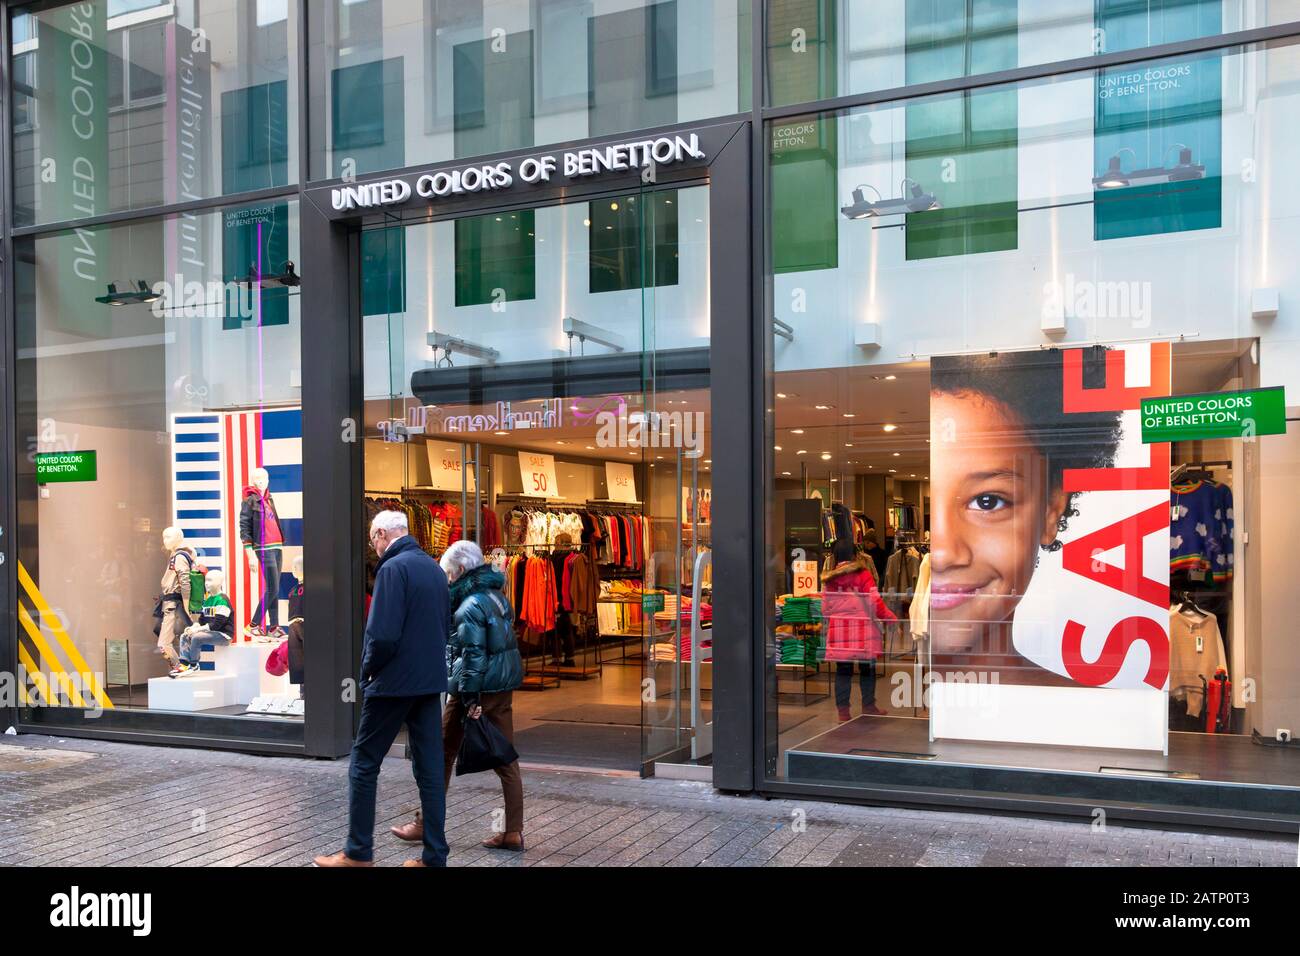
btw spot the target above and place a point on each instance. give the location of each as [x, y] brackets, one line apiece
[1259, 411]
[537, 472]
[534, 170]
[66, 466]
[502, 417]
[652, 602]
[446, 472]
[621, 482]
[805, 577]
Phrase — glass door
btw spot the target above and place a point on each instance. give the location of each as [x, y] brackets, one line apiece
[537, 381]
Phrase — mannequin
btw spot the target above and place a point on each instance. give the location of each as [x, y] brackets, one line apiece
[296, 626]
[263, 540]
[175, 593]
[216, 624]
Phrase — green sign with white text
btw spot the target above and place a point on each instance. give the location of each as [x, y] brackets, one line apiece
[66, 466]
[1259, 411]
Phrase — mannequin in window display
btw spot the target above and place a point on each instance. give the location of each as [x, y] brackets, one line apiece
[296, 626]
[263, 540]
[176, 593]
[216, 625]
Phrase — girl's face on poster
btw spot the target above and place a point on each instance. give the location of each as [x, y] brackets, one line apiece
[992, 510]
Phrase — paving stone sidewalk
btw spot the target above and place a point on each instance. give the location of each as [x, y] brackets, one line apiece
[97, 803]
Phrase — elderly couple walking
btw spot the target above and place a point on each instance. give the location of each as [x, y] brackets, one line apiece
[423, 615]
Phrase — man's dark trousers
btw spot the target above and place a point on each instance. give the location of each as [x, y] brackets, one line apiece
[381, 719]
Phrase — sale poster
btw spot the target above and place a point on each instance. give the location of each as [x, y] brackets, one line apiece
[620, 479]
[537, 472]
[1050, 535]
[445, 470]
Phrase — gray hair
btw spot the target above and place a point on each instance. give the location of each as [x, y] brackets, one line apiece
[461, 558]
[390, 521]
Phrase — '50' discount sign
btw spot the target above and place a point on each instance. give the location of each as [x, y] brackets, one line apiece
[538, 474]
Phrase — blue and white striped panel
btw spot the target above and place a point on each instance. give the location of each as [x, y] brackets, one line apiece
[282, 459]
[198, 508]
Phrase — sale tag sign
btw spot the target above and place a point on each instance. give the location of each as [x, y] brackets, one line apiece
[805, 577]
[445, 472]
[621, 480]
[537, 471]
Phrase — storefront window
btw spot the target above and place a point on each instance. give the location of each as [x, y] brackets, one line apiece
[125, 105]
[1025, 430]
[541, 386]
[400, 82]
[819, 49]
[160, 467]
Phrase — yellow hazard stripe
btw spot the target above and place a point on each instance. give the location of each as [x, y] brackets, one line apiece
[56, 668]
[51, 621]
[37, 677]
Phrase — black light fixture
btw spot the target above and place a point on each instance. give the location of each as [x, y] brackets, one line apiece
[288, 279]
[911, 200]
[1183, 171]
[135, 292]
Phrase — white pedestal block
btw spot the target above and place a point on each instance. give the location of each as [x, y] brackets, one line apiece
[246, 663]
[199, 692]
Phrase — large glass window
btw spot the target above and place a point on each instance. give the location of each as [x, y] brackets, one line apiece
[400, 82]
[160, 466]
[124, 105]
[817, 49]
[978, 552]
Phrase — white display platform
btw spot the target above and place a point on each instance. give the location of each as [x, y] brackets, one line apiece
[246, 662]
[198, 692]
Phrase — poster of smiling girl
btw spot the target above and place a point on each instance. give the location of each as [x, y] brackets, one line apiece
[1050, 519]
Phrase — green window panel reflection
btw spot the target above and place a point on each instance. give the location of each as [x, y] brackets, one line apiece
[629, 234]
[255, 137]
[805, 206]
[963, 148]
[383, 271]
[1159, 125]
[496, 259]
[368, 103]
[800, 51]
[254, 247]
[493, 94]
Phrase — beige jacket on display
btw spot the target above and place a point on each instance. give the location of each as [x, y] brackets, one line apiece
[919, 612]
[1187, 664]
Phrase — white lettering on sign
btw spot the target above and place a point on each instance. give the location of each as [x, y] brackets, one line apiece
[537, 471]
[594, 161]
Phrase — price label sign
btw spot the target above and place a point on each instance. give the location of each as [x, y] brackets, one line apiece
[445, 470]
[621, 480]
[805, 577]
[537, 471]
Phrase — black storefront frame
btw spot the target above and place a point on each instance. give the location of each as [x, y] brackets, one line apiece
[745, 740]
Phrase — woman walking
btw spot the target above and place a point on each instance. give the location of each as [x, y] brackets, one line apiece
[485, 671]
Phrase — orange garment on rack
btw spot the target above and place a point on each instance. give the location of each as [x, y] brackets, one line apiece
[540, 597]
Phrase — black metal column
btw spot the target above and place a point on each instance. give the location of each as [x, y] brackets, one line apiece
[333, 537]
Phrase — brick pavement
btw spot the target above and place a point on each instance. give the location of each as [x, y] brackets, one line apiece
[97, 803]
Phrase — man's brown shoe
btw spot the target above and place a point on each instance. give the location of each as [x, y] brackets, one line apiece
[514, 842]
[412, 832]
[339, 859]
[416, 862]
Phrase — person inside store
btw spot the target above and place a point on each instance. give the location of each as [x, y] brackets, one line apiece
[486, 669]
[853, 611]
[403, 675]
[877, 555]
[1001, 443]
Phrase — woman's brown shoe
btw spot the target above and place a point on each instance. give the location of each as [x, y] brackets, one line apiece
[514, 842]
[412, 832]
[339, 859]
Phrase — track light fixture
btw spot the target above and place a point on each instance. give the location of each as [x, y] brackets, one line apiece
[914, 199]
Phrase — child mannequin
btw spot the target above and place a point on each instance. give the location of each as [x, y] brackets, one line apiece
[216, 624]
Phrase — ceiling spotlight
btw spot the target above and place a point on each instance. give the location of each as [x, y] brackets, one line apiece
[780, 395]
[778, 447]
[891, 378]
[796, 431]
[801, 452]
[785, 474]
[1182, 171]
[891, 428]
[849, 415]
[914, 199]
[826, 456]
[897, 454]
[823, 408]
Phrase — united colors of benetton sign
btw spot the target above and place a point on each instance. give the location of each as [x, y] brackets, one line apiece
[1258, 411]
[533, 170]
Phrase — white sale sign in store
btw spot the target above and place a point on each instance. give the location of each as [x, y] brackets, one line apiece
[621, 482]
[537, 471]
[445, 472]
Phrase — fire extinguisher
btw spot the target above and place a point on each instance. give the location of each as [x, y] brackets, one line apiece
[1218, 703]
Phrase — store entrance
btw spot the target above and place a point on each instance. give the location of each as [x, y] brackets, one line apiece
[537, 382]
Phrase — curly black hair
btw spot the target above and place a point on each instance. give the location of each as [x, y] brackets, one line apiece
[1030, 386]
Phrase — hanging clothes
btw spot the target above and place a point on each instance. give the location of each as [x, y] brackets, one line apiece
[1200, 529]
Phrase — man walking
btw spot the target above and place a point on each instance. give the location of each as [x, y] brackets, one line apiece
[403, 672]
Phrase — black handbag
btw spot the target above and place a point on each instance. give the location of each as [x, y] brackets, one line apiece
[484, 747]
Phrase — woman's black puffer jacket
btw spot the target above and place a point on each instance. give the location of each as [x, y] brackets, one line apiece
[481, 643]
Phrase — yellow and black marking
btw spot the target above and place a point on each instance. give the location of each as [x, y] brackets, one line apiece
[49, 655]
